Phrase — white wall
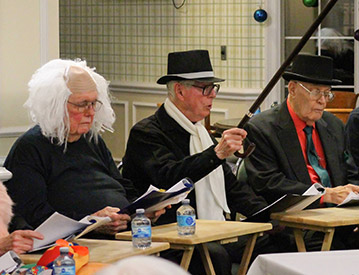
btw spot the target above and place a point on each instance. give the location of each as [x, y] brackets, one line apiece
[29, 37]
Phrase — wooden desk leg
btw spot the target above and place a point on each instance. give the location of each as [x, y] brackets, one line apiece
[327, 242]
[206, 259]
[247, 254]
[298, 235]
[187, 256]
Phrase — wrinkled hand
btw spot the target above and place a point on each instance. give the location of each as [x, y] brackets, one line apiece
[230, 142]
[118, 223]
[19, 241]
[153, 216]
[338, 194]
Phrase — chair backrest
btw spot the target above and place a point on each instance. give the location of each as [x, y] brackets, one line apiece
[207, 123]
[120, 167]
[209, 127]
[241, 173]
[342, 104]
[343, 99]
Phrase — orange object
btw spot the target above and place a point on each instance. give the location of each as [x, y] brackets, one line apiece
[90, 268]
[80, 254]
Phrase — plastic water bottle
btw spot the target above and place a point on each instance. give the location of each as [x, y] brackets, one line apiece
[141, 230]
[64, 264]
[186, 219]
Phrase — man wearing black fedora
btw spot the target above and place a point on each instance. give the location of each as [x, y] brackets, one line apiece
[298, 143]
[173, 144]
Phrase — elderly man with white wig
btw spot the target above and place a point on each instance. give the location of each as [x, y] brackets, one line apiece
[62, 164]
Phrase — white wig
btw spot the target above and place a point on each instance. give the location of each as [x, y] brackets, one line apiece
[47, 102]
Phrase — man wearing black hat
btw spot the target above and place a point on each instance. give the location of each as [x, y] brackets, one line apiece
[173, 144]
[298, 143]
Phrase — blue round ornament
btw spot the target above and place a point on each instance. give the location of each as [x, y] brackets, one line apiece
[260, 15]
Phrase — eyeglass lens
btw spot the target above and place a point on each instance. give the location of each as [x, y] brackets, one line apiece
[316, 93]
[82, 107]
[207, 90]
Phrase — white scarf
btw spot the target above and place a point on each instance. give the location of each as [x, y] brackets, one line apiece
[210, 190]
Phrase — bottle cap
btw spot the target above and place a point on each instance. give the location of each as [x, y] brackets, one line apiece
[140, 211]
[185, 201]
[64, 249]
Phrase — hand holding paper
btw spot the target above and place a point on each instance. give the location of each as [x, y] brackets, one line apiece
[154, 200]
[353, 196]
[117, 222]
[294, 202]
[154, 216]
[338, 194]
[58, 226]
[20, 241]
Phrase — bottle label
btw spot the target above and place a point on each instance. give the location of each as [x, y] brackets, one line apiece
[186, 220]
[141, 232]
[65, 270]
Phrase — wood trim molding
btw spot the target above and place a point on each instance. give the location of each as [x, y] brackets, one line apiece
[136, 104]
[44, 32]
[225, 112]
[154, 89]
[273, 50]
[13, 132]
[126, 118]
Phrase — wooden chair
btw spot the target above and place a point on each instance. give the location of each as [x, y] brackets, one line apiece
[209, 127]
[342, 105]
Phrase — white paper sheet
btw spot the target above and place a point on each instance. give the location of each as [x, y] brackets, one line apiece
[58, 226]
[350, 199]
[9, 262]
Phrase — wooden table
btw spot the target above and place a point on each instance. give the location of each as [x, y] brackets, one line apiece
[321, 219]
[207, 231]
[107, 251]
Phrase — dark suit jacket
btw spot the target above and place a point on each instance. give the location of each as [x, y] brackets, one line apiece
[277, 166]
[352, 134]
[158, 153]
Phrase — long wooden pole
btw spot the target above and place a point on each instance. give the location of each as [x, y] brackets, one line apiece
[280, 71]
[286, 63]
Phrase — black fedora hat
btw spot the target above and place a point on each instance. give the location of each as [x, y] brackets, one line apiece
[189, 65]
[313, 69]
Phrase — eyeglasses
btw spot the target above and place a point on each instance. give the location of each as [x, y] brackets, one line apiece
[317, 94]
[207, 90]
[86, 105]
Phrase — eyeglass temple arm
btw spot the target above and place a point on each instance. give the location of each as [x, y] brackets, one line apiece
[279, 73]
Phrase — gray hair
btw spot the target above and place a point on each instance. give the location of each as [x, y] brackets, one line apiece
[171, 84]
[47, 102]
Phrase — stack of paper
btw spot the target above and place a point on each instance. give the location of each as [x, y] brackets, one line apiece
[9, 262]
[293, 202]
[154, 199]
[58, 226]
[351, 200]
